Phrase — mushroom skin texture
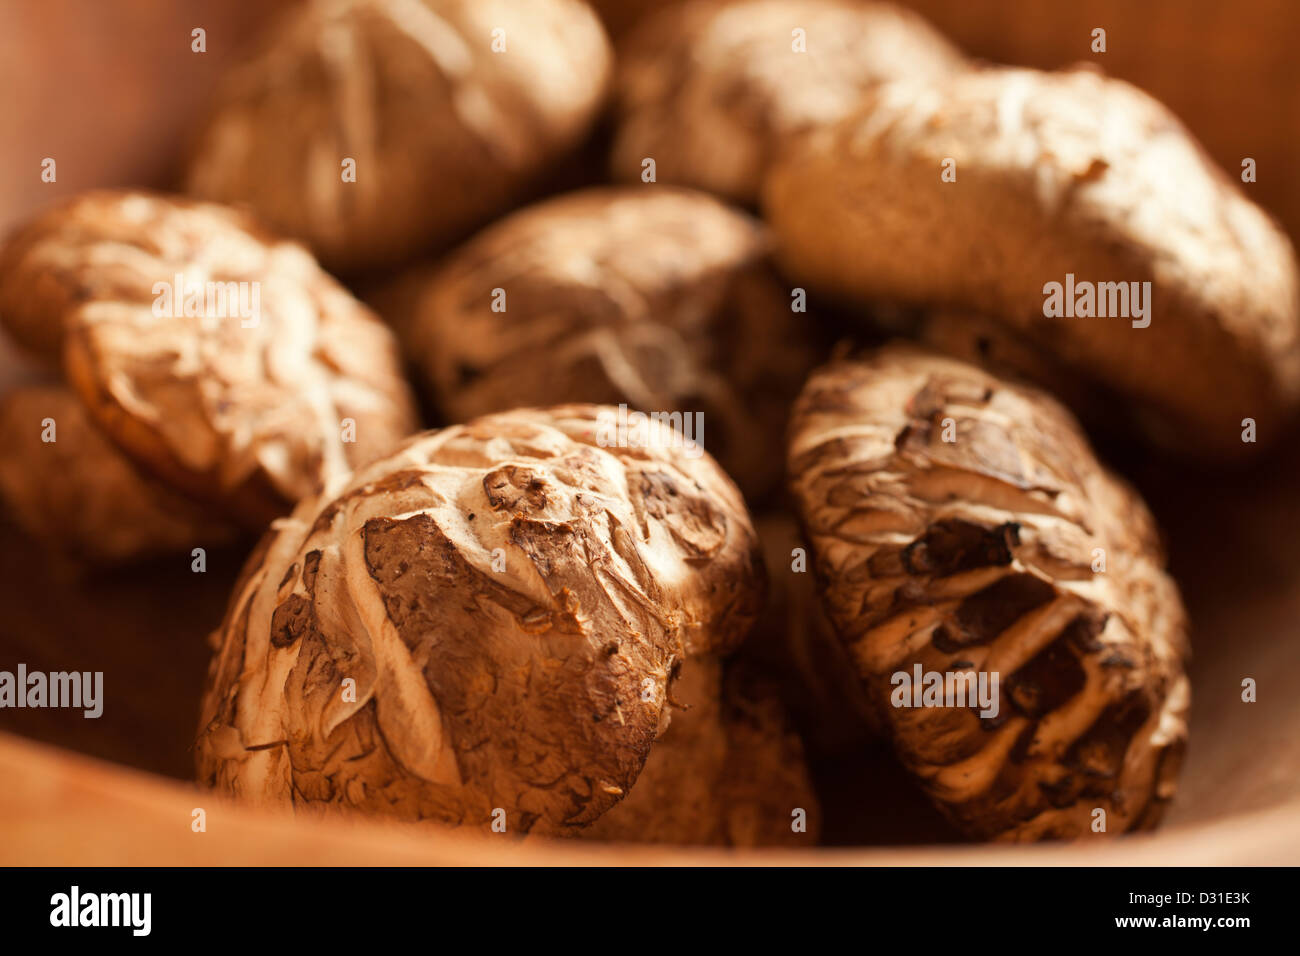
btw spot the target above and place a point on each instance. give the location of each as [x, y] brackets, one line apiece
[1056, 175]
[1010, 354]
[956, 523]
[715, 92]
[113, 246]
[675, 797]
[79, 496]
[220, 359]
[663, 300]
[513, 599]
[766, 783]
[450, 109]
[729, 771]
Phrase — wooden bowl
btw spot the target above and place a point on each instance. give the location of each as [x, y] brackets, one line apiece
[115, 790]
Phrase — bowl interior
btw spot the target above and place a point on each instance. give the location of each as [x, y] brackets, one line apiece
[1234, 538]
[1234, 547]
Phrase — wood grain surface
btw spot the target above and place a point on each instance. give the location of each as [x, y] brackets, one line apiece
[79, 812]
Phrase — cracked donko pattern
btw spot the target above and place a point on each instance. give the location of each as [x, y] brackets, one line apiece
[246, 417]
[515, 679]
[977, 554]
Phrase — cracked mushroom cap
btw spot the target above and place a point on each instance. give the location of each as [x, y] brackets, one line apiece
[221, 360]
[444, 129]
[112, 246]
[663, 300]
[512, 598]
[977, 555]
[1058, 174]
[714, 92]
[79, 495]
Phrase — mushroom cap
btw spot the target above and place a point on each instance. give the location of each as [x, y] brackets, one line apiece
[220, 359]
[79, 495]
[962, 525]
[728, 771]
[512, 597]
[448, 108]
[1058, 174]
[715, 92]
[660, 299]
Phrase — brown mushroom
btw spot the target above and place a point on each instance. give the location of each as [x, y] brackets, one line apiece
[715, 92]
[661, 299]
[483, 628]
[371, 129]
[963, 530]
[1075, 210]
[219, 359]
